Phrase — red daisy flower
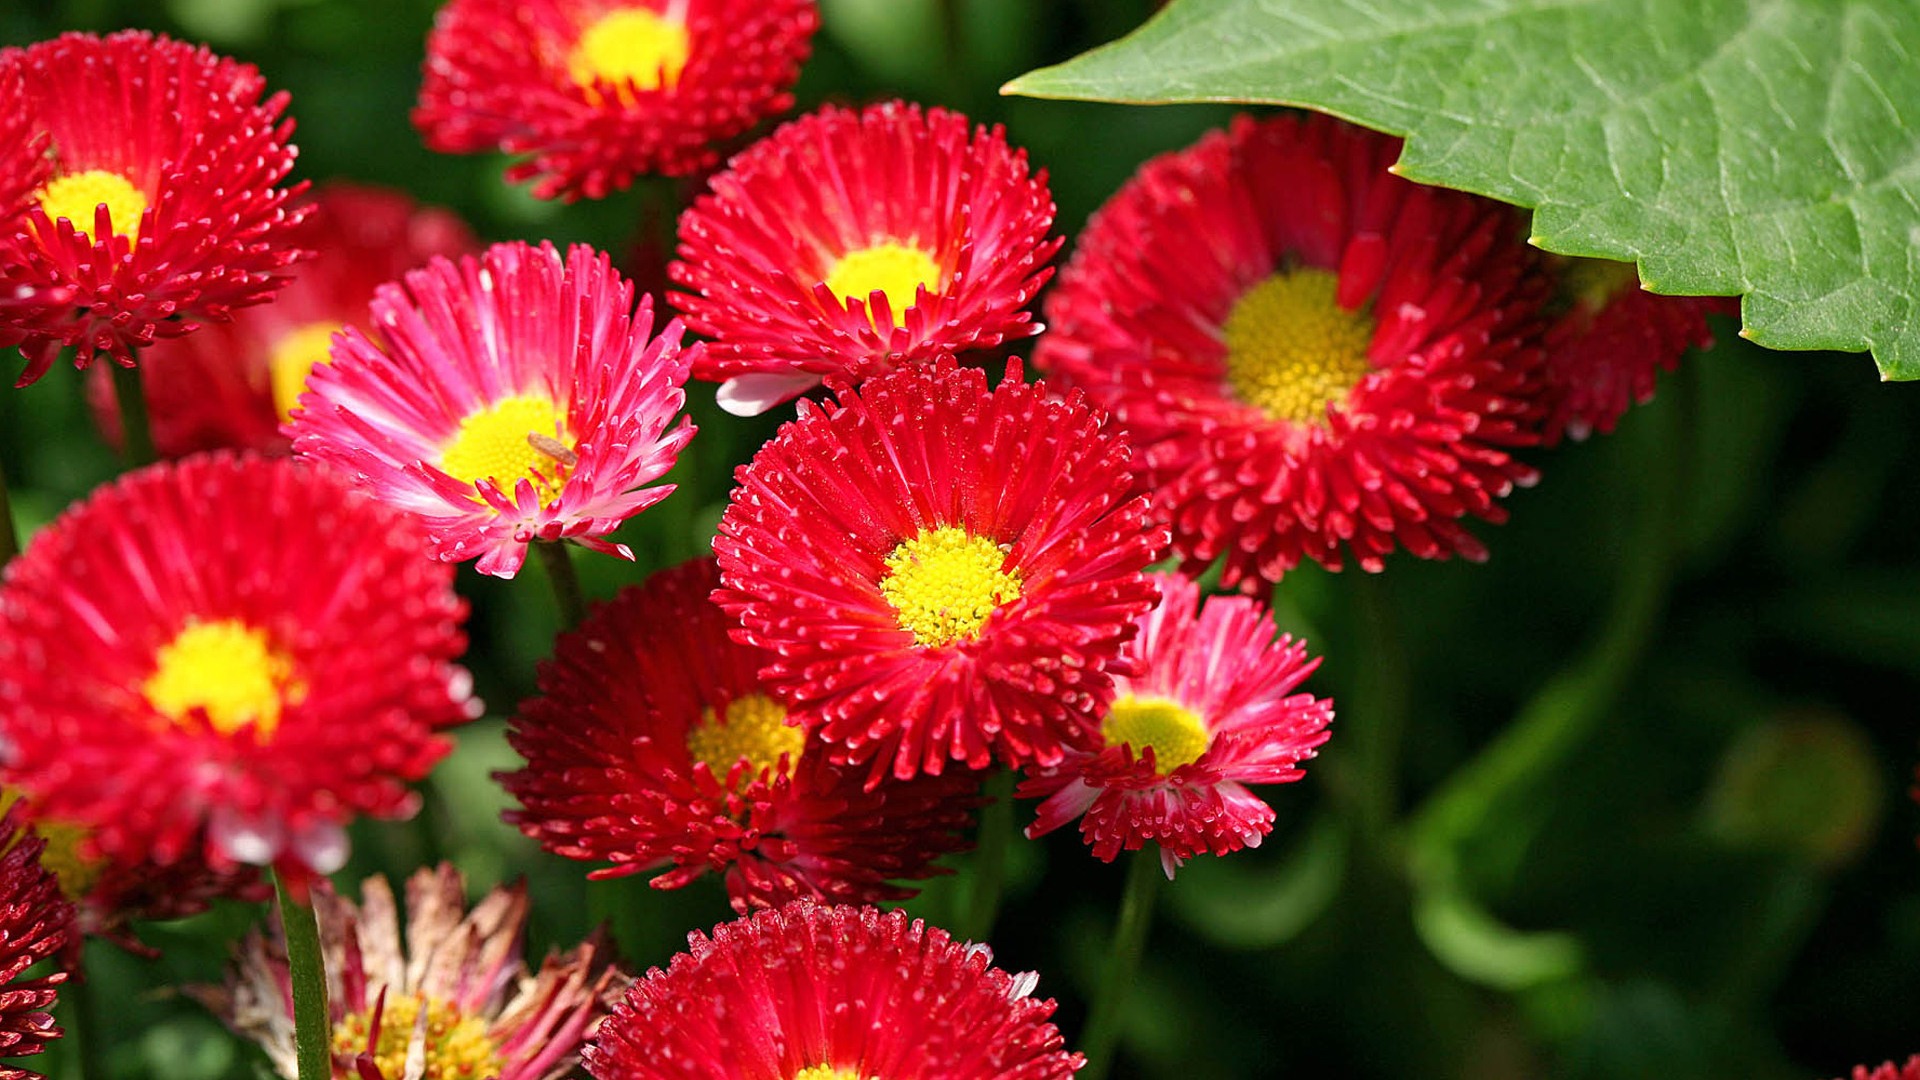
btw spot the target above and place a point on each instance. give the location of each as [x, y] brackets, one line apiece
[504, 399]
[1888, 1071]
[1211, 708]
[847, 244]
[1605, 352]
[601, 91]
[263, 653]
[27, 306]
[805, 992]
[36, 922]
[1314, 357]
[655, 745]
[108, 894]
[158, 210]
[942, 571]
[454, 991]
[232, 384]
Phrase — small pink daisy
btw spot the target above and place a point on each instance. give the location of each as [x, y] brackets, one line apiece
[1212, 707]
[504, 399]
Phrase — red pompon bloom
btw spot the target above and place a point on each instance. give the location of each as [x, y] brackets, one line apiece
[226, 659]
[505, 399]
[454, 990]
[1615, 338]
[1887, 1071]
[1211, 708]
[151, 165]
[1314, 357]
[601, 91]
[232, 384]
[36, 922]
[849, 243]
[655, 746]
[806, 992]
[942, 571]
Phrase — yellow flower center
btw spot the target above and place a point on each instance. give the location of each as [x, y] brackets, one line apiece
[227, 668]
[632, 48]
[897, 270]
[76, 873]
[1292, 350]
[753, 727]
[944, 584]
[515, 438]
[825, 1072]
[293, 359]
[1175, 732]
[1593, 283]
[76, 196]
[458, 1047]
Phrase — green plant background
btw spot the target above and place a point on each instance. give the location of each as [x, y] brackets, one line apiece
[1690, 852]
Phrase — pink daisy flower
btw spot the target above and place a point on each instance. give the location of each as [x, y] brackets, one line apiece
[655, 746]
[805, 992]
[941, 571]
[848, 243]
[152, 167]
[36, 923]
[1315, 358]
[1211, 706]
[596, 92]
[504, 399]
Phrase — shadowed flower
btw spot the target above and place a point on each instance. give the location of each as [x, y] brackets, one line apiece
[1615, 338]
[1887, 1071]
[232, 384]
[1315, 358]
[36, 922]
[597, 92]
[805, 992]
[1210, 708]
[503, 399]
[225, 659]
[847, 244]
[942, 572]
[152, 166]
[655, 746]
[452, 999]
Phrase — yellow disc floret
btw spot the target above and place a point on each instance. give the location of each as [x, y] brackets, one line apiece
[229, 669]
[895, 270]
[1176, 733]
[825, 1072]
[294, 357]
[630, 47]
[517, 438]
[76, 196]
[1292, 350]
[944, 583]
[62, 856]
[457, 1046]
[753, 727]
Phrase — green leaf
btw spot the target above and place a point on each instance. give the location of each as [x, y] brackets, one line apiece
[1769, 148]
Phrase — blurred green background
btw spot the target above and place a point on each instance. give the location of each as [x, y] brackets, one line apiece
[1627, 801]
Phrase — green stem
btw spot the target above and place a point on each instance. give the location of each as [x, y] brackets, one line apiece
[990, 860]
[83, 1026]
[566, 582]
[9, 539]
[136, 437]
[1381, 712]
[1104, 1020]
[1567, 710]
[312, 1027]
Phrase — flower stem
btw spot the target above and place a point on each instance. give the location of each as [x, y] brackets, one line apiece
[990, 859]
[9, 539]
[312, 1029]
[566, 582]
[136, 437]
[1123, 963]
[82, 1021]
[1381, 710]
